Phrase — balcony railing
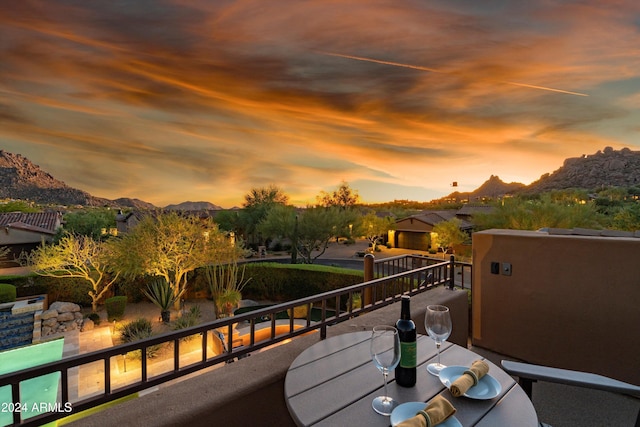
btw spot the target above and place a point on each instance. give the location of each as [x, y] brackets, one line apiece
[457, 275]
[190, 350]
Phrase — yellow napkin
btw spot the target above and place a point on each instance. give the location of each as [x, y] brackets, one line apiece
[438, 410]
[478, 369]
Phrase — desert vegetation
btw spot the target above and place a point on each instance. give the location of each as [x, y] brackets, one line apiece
[88, 263]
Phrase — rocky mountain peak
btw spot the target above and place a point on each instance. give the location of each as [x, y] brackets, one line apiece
[21, 179]
[492, 188]
[609, 167]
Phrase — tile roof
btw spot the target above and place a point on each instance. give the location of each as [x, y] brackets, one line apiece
[44, 222]
[434, 217]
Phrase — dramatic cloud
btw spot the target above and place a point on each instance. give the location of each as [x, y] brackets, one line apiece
[169, 101]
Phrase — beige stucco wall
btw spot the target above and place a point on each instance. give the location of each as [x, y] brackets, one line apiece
[16, 236]
[413, 224]
[570, 301]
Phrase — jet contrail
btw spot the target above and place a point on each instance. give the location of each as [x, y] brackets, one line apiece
[434, 70]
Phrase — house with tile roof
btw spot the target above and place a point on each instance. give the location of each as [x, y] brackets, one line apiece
[24, 231]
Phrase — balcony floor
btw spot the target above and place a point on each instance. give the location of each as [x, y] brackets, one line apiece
[565, 406]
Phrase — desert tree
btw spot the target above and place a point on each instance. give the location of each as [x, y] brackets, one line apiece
[543, 211]
[309, 229]
[343, 197]
[316, 226]
[374, 228]
[448, 234]
[80, 257]
[257, 204]
[170, 246]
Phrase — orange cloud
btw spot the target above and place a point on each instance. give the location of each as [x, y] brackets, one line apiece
[201, 100]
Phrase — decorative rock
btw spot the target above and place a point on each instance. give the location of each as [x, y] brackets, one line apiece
[64, 307]
[49, 314]
[71, 326]
[66, 316]
[63, 317]
[52, 322]
[87, 325]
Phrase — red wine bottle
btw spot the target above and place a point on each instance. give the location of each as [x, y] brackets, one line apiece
[406, 369]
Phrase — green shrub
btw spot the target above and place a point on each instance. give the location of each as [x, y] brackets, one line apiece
[58, 288]
[187, 320]
[286, 282]
[95, 317]
[136, 330]
[7, 293]
[115, 307]
[68, 289]
[133, 288]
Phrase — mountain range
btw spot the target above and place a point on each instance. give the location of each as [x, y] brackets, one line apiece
[606, 168]
[21, 179]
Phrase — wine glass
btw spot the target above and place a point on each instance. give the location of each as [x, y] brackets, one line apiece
[437, 322]
[385, 352]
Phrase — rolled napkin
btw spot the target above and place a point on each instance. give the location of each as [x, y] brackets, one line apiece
[478, 369]
[437, 411]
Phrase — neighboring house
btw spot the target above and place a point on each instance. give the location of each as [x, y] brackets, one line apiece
[20, 231]
[414, 232]
[128, 221]
[125, 222]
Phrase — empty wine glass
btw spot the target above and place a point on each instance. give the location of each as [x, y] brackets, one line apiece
[437, 322]
[385, 352]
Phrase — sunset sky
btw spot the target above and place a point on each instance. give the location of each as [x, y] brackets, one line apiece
[202, 100]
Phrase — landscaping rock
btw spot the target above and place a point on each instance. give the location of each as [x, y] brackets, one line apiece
[61, 317]
[65, 317]
[49, 314]
[64, 307]
[52, 322]
[71, 326]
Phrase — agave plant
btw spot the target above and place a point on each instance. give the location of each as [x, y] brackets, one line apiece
[161, 294]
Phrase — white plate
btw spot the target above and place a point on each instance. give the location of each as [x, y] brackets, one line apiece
[410, 409]
[487, 388]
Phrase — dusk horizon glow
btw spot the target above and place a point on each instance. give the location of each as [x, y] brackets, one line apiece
[170, 101]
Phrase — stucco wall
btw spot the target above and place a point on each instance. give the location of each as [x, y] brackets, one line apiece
[14, 236]
[571, 301]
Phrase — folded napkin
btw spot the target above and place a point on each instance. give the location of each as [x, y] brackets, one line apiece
[437, 411]
[478, 369]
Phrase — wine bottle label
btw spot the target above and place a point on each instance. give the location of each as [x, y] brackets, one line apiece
[408, 354]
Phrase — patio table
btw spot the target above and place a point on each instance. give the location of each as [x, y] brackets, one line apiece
[334, 381]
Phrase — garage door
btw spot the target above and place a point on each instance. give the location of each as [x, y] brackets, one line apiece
[413, 240]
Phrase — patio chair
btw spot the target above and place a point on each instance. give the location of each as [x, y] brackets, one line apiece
[528, 374]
